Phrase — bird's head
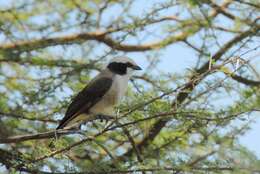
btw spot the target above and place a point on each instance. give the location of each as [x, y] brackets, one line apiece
[122, 66]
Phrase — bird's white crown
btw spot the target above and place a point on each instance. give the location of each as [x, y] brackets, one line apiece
[122, 59]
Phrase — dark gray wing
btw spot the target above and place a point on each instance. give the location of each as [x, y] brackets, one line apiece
[85, 99]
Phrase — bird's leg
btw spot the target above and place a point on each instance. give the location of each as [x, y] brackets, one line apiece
[55, 135]
[79, 131]
[77, 128]
[117, 113]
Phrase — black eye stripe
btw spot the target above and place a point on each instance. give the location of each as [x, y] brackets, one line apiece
[128, 64]
[118, 68]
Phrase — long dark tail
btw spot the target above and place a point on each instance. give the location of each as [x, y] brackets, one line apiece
[61, 126]
[69, 122]
[64, 122]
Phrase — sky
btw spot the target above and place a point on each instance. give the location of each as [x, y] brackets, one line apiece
[177, 59]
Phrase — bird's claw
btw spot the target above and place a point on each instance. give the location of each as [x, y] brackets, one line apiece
[102, 117]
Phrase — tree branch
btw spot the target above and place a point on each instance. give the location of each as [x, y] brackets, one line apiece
[183, 94]
[44, 135]
[101, 37]
[97, 36]
[244, 80]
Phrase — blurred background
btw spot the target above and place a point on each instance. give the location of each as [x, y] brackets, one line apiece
[193, 109]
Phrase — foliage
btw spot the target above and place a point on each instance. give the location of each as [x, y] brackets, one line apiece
[171, 122]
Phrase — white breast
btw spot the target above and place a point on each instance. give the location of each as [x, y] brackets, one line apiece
[112, 97]
[121, 83]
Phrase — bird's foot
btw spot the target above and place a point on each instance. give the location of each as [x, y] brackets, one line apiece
[103, 117]
[80, 132]
[77, 129]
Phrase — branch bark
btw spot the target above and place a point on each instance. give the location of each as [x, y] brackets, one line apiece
[244, 80]
[44, 135]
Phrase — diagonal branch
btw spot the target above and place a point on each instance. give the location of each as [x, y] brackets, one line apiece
[244, 80]
[183, 94]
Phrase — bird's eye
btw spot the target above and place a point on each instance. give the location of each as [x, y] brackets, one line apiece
[128, 64]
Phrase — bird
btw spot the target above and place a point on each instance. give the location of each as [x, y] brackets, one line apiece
[101, 94]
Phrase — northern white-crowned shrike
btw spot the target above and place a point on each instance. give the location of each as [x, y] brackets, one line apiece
[102, 93]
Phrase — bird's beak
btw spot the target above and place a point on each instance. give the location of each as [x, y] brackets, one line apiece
[136, 67]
